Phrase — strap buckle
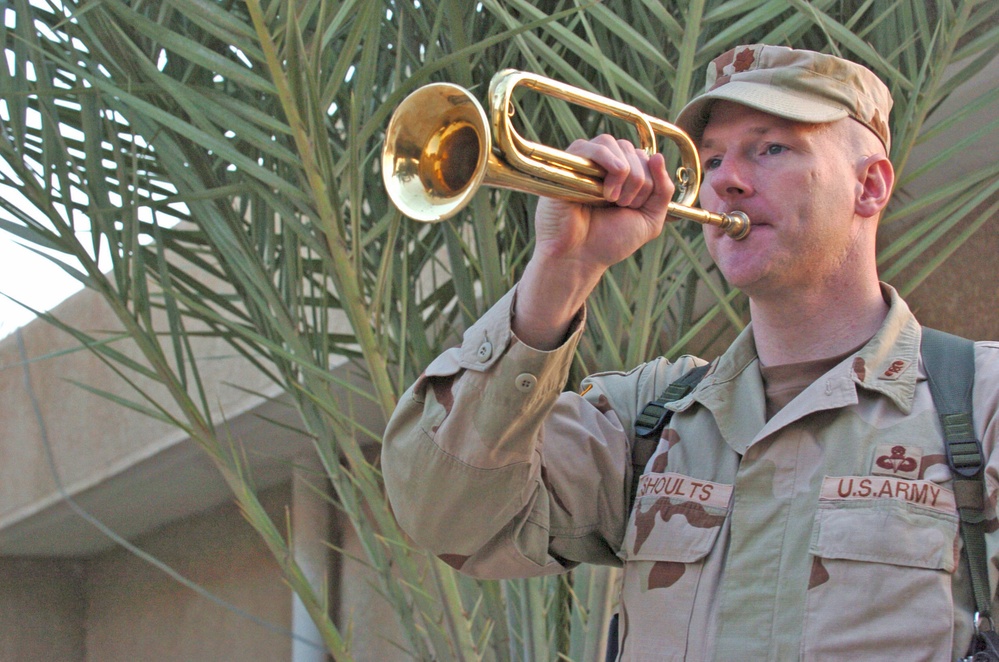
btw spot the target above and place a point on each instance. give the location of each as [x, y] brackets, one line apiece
[983, 623]
[965, 457]
[652, 420]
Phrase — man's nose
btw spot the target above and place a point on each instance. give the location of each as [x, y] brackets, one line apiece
[730, 178]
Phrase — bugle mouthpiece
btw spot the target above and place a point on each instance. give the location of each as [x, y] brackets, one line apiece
[735, 224]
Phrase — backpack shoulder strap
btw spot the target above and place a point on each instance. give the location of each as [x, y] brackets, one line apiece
[654, 417]
[950, 368]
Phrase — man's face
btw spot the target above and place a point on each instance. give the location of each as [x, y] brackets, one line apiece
[797, 183]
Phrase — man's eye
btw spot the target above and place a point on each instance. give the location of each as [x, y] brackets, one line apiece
[772, 150]
[711, 163]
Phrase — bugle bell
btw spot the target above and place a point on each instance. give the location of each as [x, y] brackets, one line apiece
[440, 148]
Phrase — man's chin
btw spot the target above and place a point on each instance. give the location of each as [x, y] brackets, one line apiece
[742, 271]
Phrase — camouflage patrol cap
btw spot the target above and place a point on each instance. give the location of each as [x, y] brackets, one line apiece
[795, 84]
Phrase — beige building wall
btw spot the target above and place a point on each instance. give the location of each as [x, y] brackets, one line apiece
[42, 610]
[68, 592]
[135, 611]
[962, 297]
[364, 613]
[115, 607]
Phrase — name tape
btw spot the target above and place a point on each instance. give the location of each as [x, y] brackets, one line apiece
[684, 487]
[921, 492]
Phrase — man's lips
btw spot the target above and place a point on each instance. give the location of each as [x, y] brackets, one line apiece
[754, 221]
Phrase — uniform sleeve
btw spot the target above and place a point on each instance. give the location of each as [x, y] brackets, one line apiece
[496, 470]
[986, 412]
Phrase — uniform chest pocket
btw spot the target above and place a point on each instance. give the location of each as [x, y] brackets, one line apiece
[674, 526]
[884, 520]
[883, 553]
[675, 518]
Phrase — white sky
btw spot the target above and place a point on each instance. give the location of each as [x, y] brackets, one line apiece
[26, 276]
[30, 278]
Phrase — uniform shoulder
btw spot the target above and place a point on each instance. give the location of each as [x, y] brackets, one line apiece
[628, 391]
[987, 358]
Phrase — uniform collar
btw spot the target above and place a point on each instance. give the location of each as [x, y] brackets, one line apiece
[888, 364]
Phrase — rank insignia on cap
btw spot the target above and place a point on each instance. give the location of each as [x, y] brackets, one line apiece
[897, 460]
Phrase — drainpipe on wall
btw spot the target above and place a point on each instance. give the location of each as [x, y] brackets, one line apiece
[310, 531]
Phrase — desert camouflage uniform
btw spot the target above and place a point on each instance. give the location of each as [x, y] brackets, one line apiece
[826, 533]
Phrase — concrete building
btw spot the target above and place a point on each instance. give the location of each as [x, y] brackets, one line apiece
[71, 592]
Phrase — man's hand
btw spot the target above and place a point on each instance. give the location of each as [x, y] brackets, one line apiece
[576, 243]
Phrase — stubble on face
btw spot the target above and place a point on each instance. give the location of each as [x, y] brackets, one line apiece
[800, 200]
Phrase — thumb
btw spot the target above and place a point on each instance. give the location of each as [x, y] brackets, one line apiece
[657, 206]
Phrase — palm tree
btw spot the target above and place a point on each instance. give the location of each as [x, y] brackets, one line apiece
[221, 160]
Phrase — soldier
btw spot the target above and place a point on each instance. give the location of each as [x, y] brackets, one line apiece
[799, 504]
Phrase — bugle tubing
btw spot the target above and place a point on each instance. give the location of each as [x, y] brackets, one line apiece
[440, 148]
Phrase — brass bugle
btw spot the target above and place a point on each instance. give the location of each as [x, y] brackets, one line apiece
[440, 148]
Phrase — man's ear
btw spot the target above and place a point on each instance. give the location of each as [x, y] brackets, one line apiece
[875, 179]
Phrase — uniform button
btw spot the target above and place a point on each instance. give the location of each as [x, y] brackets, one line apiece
[485, 351]
[526, 382]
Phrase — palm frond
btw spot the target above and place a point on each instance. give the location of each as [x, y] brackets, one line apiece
[222, 160]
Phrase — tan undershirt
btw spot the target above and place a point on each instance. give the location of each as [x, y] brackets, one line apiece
[783, 383]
